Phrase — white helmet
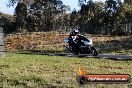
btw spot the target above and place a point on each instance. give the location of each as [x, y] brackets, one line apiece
[75, 31]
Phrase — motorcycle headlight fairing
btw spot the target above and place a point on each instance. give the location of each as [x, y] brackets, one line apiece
[87, 43]
[66, 40]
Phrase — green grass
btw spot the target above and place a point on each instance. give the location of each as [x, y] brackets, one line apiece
[41, 71]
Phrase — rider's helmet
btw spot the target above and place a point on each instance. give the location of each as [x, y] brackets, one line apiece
[74, 32]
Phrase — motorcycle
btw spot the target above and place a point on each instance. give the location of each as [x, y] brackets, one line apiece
[80, 45]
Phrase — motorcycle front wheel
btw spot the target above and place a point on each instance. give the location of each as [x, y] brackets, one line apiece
[94, 51]
[75, 52]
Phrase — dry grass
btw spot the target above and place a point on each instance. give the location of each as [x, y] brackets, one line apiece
[53, 42]
[34, 41]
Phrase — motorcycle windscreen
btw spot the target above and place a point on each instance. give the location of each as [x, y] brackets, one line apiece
[88, 43]
[66, 40]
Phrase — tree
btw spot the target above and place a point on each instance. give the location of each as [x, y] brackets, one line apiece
[8, 21]
[129, 2]
[21, 15]
[73, 18]
[37, 15]
[89, 20]
[81, 2]
[44, 12]
[111, 17]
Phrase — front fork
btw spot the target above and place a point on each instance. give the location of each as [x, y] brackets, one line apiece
[91, 48]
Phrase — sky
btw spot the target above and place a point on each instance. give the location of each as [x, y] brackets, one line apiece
[10, 10]
[5, 9]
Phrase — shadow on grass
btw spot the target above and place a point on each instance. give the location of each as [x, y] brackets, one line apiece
[116, 46]
[42, 52]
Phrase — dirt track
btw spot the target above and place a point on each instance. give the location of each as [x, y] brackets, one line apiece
[107, 56]
[116, 57]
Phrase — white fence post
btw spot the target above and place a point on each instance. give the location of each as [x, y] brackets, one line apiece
[1, 39]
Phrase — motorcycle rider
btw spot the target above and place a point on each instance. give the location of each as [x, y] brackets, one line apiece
[74, 39]
[73, 34]
[80, 44]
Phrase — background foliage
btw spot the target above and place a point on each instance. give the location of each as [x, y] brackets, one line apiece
[110, 17]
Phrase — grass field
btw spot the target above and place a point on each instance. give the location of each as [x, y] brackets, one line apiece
[40, 71]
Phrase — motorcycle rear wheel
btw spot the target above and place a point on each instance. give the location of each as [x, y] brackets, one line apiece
[95, 53]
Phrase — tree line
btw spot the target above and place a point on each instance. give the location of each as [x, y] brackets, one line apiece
[110, 17]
